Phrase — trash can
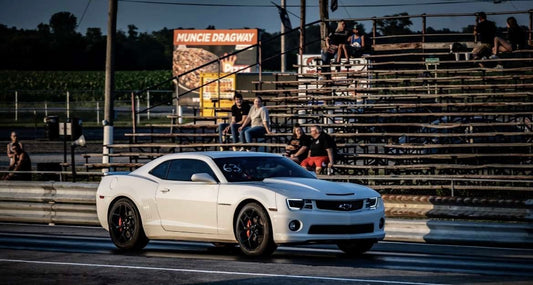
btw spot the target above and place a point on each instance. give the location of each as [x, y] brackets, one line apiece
[48, 166]
[52, 127]
[76, 128]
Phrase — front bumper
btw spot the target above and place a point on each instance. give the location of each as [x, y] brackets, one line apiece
[328, 226]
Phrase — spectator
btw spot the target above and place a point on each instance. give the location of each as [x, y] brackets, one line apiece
[257, 122]
[335, 45]
[357, 43]
[22, 163]
[485, 31]
[515, 38]
[320, 151]
[298, 148]
[10, 153]
[239, 112]
[340, 37]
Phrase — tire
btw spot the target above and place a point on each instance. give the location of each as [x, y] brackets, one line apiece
[125, 226]
[254, 232]
[356, 247]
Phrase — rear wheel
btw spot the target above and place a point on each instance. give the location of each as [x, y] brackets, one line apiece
[356, 247]
[125, 226]
[253, 231]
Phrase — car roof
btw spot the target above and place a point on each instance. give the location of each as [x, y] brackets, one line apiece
[221, 154]
[199, 154]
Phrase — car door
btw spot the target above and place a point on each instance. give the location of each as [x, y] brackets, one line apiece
[184, 205]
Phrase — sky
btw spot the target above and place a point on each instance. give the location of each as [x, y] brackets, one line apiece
[154, 15]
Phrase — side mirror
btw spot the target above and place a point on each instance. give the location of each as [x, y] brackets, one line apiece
[203, 177]
[313, 173]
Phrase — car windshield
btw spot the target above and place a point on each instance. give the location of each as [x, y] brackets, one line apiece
[238, 169]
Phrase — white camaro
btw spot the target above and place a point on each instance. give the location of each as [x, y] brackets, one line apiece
[255, 200]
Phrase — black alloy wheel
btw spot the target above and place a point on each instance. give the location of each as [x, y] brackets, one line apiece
[253, 231]
[125, 226]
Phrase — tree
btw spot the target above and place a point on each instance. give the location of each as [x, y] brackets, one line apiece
[132, 32]
[63, 23]
[394, 26]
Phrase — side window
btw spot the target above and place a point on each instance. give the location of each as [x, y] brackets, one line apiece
[183, 169]
[161, 170]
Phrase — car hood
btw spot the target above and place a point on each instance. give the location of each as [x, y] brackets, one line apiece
[317, 189]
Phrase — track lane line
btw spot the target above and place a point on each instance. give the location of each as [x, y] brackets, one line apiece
[324, 278]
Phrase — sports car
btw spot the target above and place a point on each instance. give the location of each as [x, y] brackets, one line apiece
[256, 201]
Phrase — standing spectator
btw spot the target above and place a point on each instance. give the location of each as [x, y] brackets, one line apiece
[257, 122]
[485, 31]
[357, 43]
[239, 113]
[10, 153]
[320, 151]
[515, 38]
[22, 163]
[298, 147]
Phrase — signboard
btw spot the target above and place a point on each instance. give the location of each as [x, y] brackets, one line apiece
[193, 48]
[210, 96]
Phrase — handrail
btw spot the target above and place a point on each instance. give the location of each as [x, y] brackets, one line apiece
[216, 61]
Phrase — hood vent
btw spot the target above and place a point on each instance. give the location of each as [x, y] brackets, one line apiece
[340, 194]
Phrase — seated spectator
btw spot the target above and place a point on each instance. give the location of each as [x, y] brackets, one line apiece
[10, 153]
[357, 43]
[485, 31]
[298, 147]
[239, 112]
[515, 38]
[321, 151]
[256, 124]
[22, 163]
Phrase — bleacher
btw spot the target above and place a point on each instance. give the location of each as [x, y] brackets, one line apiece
[409, 120]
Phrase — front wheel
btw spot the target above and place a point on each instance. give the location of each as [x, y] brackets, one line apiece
[356, 247]
[125, 226]
[253, 231]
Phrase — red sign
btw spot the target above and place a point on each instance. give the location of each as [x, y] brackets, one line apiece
[215, 37]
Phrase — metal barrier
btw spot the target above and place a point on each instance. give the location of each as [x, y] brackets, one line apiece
[75, 204]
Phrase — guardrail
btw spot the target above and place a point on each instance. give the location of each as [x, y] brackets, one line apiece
[75, 204]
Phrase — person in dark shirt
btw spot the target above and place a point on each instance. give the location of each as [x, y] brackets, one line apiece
[239, 112]
[320, 151]
[485, 31]
[335, 45]
[22, 163]
[515, 38]
[298, 147]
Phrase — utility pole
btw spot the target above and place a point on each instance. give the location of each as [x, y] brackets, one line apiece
[302, 30]
[109, 80]
[283, 56]
[324, 15]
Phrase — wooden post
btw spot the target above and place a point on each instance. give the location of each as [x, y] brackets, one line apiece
[302, 30]
[324, 15]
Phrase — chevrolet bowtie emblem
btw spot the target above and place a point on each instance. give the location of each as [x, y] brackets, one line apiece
[345, 206]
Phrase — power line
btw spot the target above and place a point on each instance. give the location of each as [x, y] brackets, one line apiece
[394, 4]
[83, 15]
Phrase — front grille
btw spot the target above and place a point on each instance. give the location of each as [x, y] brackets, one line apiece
[341, 229]
[342, 205]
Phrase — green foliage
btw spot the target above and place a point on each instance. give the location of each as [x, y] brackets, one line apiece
[45, 84]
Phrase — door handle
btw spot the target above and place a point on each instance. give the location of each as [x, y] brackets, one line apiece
[165, 190]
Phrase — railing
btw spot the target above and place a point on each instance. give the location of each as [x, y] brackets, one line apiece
[424, 35]
[75, 204]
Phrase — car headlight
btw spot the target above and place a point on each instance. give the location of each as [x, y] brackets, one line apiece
[298, 204]
[373, 203]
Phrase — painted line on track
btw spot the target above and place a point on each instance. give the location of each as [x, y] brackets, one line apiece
[323, 278]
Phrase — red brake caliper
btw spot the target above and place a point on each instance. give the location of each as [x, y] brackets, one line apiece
[120, 224]
[248, 231]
